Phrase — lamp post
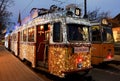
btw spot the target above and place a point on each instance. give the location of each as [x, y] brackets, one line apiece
[85, 9]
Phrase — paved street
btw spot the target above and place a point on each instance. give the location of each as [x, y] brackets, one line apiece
[12, 69]
[104, 75]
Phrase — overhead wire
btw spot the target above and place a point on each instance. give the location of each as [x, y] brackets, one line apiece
[27, 6]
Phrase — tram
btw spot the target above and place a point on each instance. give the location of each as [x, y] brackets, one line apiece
[52, 42]
[7, 41]
[102, 42]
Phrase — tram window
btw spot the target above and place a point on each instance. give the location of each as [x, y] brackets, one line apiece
[21, 38]
[14, 38]
[57, 32]
[96, 34]
[107, 34]
[104, 34]
[45, 27]
[25, 35]
[31, 34]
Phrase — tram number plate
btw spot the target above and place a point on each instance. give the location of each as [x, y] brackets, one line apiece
[79, 65]
[81, 49]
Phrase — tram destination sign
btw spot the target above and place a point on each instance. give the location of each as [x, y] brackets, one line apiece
[81, 49]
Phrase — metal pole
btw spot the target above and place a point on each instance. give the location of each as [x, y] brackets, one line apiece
[85, 9]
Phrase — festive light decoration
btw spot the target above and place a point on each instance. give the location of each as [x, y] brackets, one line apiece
[28, 52]
[61, 59]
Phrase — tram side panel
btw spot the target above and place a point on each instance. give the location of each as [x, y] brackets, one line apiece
[7, 42]
[96, 52]
[108, 52]
[14, 43]
[27, 46]
[102, 53]
[27, 52]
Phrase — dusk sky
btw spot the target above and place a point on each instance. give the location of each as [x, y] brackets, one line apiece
[24, 6]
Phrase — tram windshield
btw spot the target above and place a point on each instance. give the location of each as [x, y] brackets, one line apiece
[102, 34]
[107, 34]
[77, 32]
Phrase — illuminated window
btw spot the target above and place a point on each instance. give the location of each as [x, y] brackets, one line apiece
[21, 38]
[15, 37]
[31, 34]
[25, 35]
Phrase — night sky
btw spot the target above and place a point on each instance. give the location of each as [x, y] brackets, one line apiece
[24, 6]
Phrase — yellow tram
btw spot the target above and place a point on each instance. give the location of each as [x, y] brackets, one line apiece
[52, 42]
[102, 42]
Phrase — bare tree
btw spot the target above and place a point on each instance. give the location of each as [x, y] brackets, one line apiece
[96, 15]
[4, 13]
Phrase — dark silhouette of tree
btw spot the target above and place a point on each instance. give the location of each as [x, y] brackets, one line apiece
[5, 14]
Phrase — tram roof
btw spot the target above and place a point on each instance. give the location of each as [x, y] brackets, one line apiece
[56, 17]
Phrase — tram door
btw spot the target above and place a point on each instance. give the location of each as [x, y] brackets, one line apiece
[42, 45]
[18, 48]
